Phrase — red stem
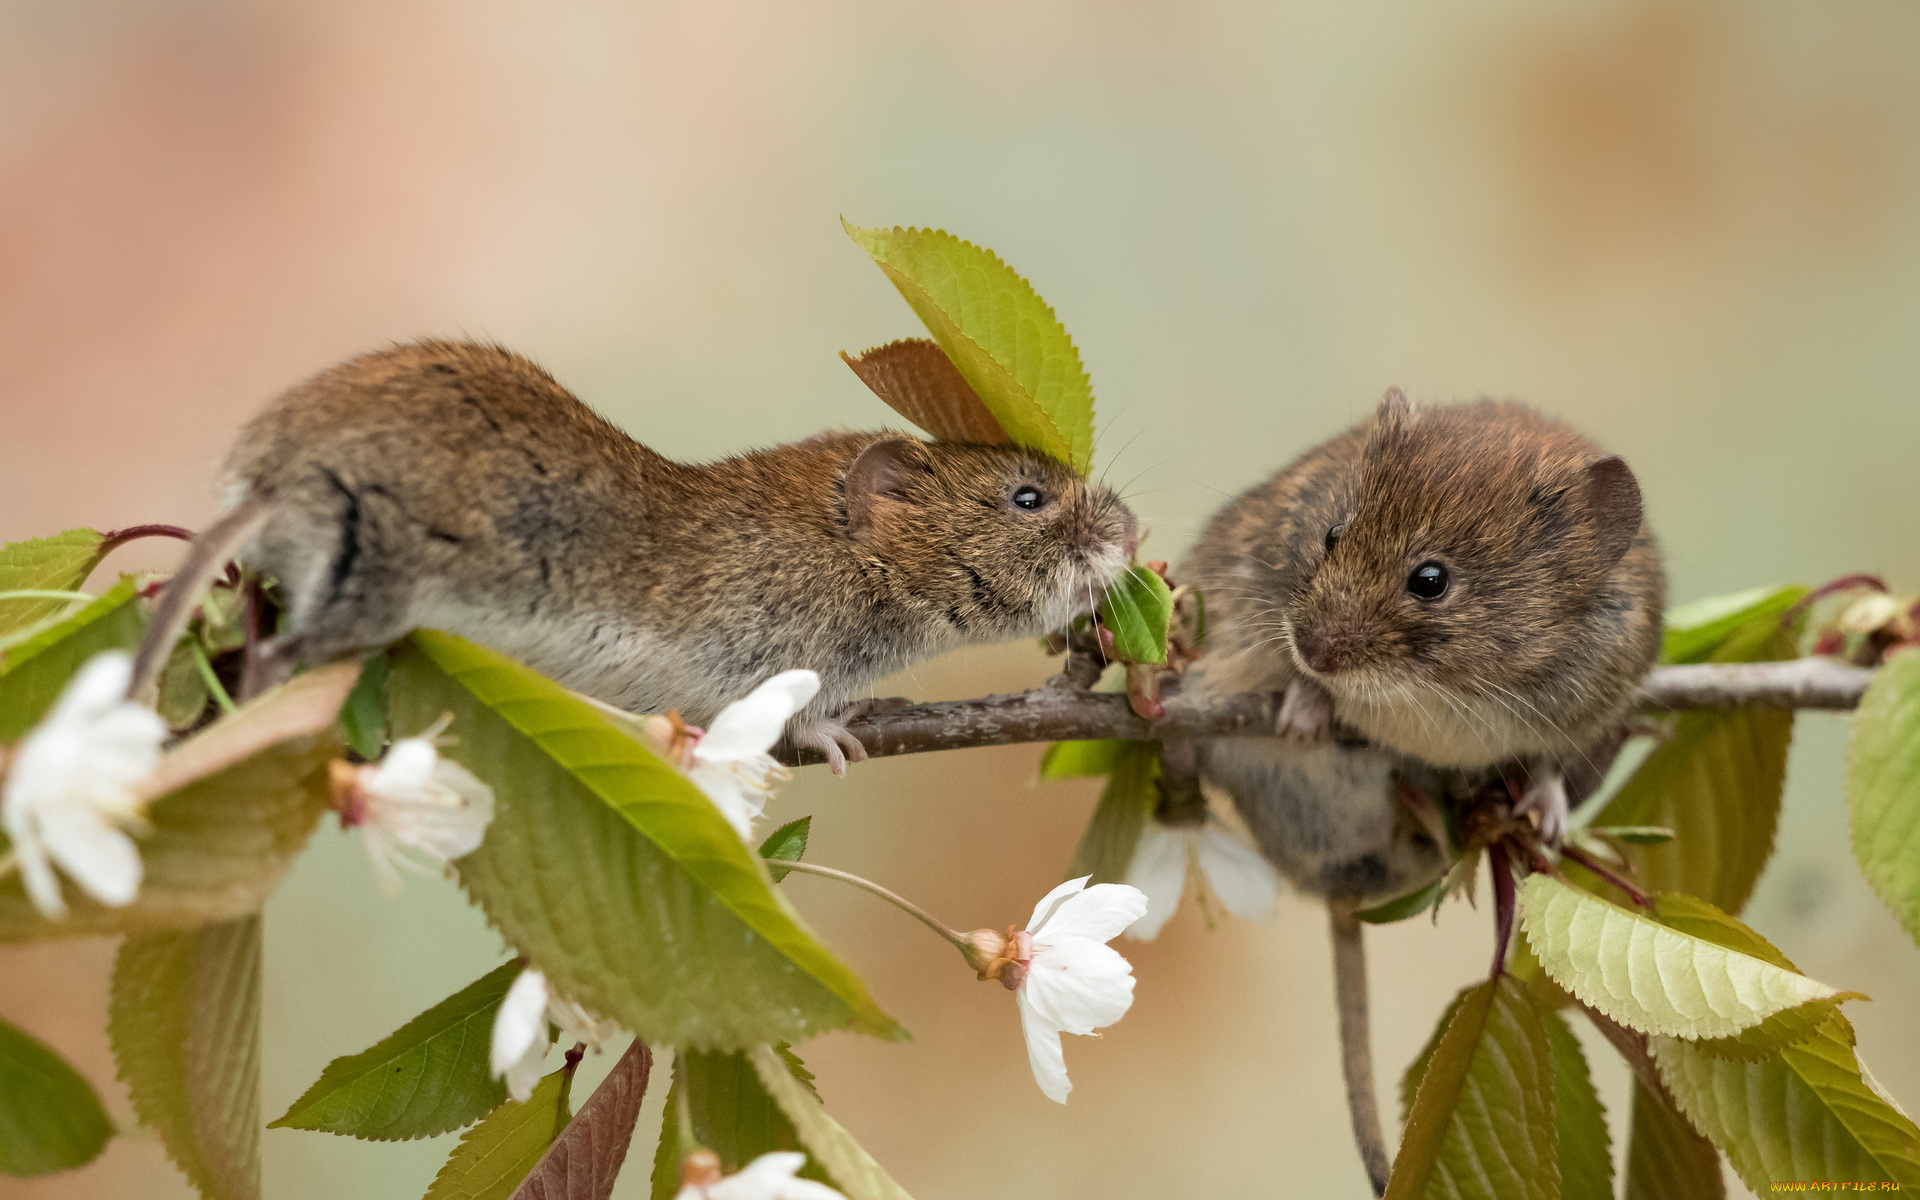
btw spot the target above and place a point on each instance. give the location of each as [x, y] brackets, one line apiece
[1502, 871]
[115, 538]
[1603, 871]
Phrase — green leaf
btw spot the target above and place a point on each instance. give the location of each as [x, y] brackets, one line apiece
[495, 1155]
[1883, 787]
[428, 1077]
[1482, 1122]
[1070, 760]
[785, 844]
[1417, 1069]
[1666, 1159]
[1649, 976]
[1586, 1152]
[60, 563]
[1633, 835]
[1402, 907]
[50, 1117]
[33, 671]
[613, 874]
[215, 849]
[731, 1113]
[1693, 632]
[1136, 609]
[1716, 781]
[1113, 834]
[584, 1161]
[364, 715]
[1807, 1113]
[184, 1020]
[1000, 335]
[849, 1167]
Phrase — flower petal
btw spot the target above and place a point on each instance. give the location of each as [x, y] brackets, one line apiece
[1079, 986]
[36, 873]
[90, 848]
[1159, 870]
[1044, 1055]
[405, 769]
[1098, 914]
[1245, 882]
[751, 726]
[1052, 900]
[739, 804]
[94, 689]
[520, 1023]
[771, 1177]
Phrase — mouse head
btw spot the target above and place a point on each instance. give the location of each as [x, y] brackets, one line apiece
[1483, 550]
[986, 543]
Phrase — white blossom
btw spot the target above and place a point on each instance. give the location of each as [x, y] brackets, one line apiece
[519, 1045]
[1065, 978]
[1246, 883]
[769, 1177]
[68, 798]
[413, 799]
[730, 762]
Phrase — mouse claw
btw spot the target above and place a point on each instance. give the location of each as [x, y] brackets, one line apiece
[838, 744]
[1306, 712]
[1545, 800]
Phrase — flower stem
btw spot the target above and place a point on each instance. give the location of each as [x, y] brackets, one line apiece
[907, 906]
[43, 594]
[212, 680]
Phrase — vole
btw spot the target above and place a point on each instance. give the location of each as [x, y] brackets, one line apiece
[457, 486]
[1468, 585]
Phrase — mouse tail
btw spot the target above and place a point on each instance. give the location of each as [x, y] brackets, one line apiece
[209, 556]
[1356, 1041]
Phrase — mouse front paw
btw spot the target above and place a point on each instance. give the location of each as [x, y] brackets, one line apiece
[1306, 712]
[1545, 800]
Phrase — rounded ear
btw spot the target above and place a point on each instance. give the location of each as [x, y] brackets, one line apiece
[881, 472]
[1396, 412]
[1613, 502]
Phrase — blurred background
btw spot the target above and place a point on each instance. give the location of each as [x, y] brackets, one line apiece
[1693, 229]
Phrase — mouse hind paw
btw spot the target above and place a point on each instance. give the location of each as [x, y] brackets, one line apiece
[1545, 800]
[833, 739]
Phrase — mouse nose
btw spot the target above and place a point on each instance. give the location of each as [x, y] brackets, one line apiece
[1318, 651]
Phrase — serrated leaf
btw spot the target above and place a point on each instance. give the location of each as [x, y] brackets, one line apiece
[1417, 1069]
[1807, 1113]
[33, 672]
[50, 1117]
[60, 563]
[613, 874]
[1666, 1159]
[428, 1077]
[1482, 1122]
[240, 800]
[1691, 633]
[184, 1021]
[731, 1114]
[785, 844]
[1694, 916]
[1136, 609]
[1113, 833]
[364, 715]
[1649, 976]
[852, 1170]
[1586, 1152]
[585, 1160]
[1883, 787]
[1072, 760]
[1000, 335]
[917, 380]
[495, 1155]
[1716, 781]
[1401, 908]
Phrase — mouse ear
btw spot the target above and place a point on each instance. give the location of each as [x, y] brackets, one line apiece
[880, 472]
[1396, 412]
[1613, 500]
[917, 380]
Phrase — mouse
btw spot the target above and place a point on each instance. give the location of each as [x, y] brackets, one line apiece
[457, 486]
[1468, 585]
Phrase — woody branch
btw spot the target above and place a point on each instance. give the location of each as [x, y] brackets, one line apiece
[1062, 712]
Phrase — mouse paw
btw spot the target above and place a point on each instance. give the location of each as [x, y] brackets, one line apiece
[1306, 712]
[833, 739]
[1545, 800]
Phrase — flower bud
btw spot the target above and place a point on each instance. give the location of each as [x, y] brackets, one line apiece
[700, 1169]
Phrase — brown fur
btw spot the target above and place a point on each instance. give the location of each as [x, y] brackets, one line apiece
[459, 486]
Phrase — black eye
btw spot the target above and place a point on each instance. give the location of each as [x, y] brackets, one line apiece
[1333, 535]
[1028, 497]
[1428, 581]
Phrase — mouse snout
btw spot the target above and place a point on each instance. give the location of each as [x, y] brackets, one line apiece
[1324, 650]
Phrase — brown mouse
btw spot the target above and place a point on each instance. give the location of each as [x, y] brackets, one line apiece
[1469, 585]
[457, 486]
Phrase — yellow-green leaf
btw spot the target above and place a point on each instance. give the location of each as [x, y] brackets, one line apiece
[1883, 787]
[1136, 609]
[1070, 760]
[50, 1117]
[1586, 1152]
[495, 1155]
[33, 671]
[60, 563]
[852, 1170]
[1666, 1159]
[1648, 976]
[1691, 633]
[1001, 336]
[1113, 832]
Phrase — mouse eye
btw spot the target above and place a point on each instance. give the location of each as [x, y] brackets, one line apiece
[1428, 581]
[1333, 535]
[1028, 497]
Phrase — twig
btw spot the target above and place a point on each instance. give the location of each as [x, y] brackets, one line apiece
[1054, 714]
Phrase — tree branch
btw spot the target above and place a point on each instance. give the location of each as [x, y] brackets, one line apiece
[1060, 712]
